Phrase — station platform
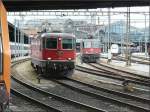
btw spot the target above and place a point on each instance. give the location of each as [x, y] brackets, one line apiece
[140, 55]
[139, 69]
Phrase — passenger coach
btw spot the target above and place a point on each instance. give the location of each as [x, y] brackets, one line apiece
[53, 54]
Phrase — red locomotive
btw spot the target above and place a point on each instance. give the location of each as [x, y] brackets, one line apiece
[90, 50]
[53, 54]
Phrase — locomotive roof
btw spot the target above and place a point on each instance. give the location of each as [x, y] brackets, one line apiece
[42, 35]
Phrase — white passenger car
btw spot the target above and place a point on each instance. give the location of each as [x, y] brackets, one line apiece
[19, 49]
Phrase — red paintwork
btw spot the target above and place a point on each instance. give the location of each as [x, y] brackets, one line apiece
[54, 54]
[35, 50]
[58, 54]
[91, 50]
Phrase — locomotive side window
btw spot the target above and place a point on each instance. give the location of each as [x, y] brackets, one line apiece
[67, 43]
[51, 43]
[1, 56]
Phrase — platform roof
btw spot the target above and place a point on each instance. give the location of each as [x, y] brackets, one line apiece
[25, 5]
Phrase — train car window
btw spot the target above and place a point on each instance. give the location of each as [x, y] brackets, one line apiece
[1, 56]
[51, 43]
[67, 43]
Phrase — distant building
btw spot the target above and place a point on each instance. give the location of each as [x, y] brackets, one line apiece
[118, 33]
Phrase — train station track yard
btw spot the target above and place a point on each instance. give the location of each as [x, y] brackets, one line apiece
[91, 98]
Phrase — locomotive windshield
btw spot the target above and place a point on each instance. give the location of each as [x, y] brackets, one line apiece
[91, 44]
[95, 44]
[87, 45]
[51, 43]
[67, 43]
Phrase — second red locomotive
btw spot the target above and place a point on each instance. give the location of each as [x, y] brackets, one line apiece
[53, 54]
[90, 50]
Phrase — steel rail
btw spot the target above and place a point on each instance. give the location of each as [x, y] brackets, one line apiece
[126, 75]
[143, 58]
[142, 99]
[85, 91]
[24, 96]
[120, 78]
[85, 106]
[123, 71]
[132, 60]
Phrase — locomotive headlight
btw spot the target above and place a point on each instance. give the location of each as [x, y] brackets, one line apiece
[49, 58]
[59, 38]
[69, 58]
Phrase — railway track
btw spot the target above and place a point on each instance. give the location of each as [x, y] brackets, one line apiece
[120, 58]
[133, 60]
[137, 104]
[24, 104]
[120, 72]
[143, 58]
[114, 76]
[33, 100]
[123, 99]
[49, 100]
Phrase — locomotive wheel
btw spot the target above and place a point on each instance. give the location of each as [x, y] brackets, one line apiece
[85, 60]
[95, 60]
[70, 72]
[39, 70]
[59, 74]
[32, 65]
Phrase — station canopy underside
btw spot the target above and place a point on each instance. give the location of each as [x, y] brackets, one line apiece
[26, 5]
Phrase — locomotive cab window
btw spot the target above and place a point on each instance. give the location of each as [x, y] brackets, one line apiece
[67, 43]
[51, 43]
[1, 56]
